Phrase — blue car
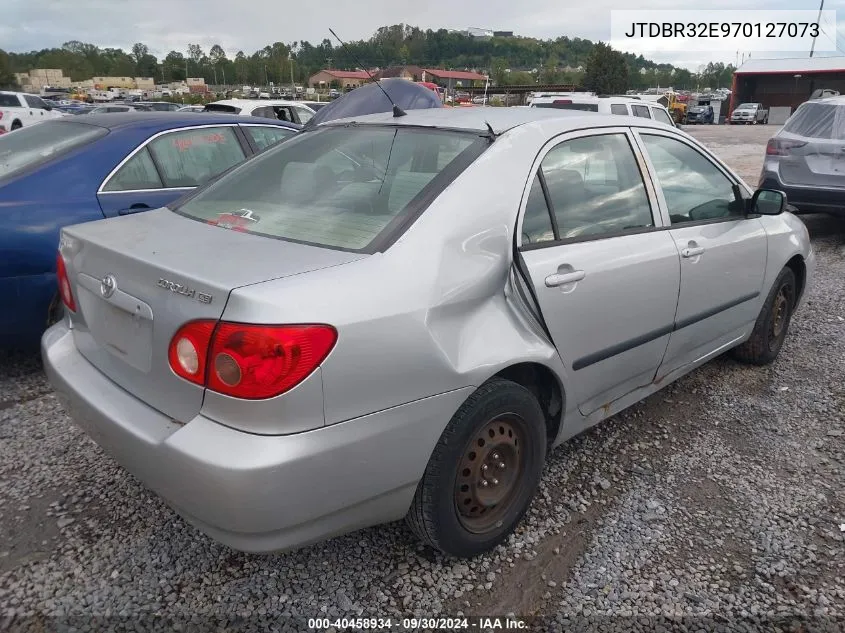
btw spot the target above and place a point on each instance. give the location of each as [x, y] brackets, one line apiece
[78, 169]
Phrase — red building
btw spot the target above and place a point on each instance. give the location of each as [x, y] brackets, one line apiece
[786, 82]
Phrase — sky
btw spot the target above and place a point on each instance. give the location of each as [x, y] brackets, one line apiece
[166, 25]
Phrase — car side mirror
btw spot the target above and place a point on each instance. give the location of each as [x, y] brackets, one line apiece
[48, 108]
[767, 202]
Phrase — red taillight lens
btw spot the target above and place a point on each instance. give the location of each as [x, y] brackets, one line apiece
[64, 283]
[256, 361]
[249, 361]
[781, 147]
[189, 348]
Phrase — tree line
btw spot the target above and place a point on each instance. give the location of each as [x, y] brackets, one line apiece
[508, 60]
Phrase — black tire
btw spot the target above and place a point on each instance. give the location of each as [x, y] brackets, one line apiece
[452, 516]
[772, 324]
[16, 125]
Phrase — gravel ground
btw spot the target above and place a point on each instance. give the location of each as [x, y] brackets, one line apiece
[716, 503]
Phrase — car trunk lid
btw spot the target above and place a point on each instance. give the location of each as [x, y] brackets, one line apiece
[137, 279]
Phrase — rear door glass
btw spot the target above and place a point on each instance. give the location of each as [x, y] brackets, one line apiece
[662, 117]
[618, 108]
[641, 111]
[189, 158]
[139, 172]
[264, 136]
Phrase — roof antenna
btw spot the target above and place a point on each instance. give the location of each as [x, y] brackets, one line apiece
[491, 133]
[397, 111]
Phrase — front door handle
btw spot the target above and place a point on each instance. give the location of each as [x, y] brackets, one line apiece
[561, 279]
[692, 251]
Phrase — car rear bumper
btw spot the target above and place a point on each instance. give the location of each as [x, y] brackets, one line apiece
[807, 199]
[251, 492]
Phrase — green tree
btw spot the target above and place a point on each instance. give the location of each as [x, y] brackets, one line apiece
[173, 66]
[498, 71]
[606, 71]
[7, 78]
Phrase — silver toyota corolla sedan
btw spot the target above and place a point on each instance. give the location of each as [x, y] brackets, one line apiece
[401, 316]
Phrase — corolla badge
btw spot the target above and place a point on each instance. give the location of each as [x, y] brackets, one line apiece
[108, 285]
[183, 290]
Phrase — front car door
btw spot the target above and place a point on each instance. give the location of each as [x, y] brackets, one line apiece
[605, 274]
[723, 251]
[168, 165]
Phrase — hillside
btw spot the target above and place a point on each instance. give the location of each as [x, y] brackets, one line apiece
[507, 59]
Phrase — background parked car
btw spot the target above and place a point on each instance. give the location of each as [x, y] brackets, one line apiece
[806, 158]
[625, 106]
[700, 114]
[159, 106]
[191, 108]
[99, 165]
[280, 109]
[18, 109]
[117, 108]
[749, 114]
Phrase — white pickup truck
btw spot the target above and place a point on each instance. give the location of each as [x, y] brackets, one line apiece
[18, 109]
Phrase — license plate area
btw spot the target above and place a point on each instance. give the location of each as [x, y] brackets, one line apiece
[121, 324]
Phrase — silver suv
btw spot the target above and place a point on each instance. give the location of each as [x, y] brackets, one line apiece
[806, 158]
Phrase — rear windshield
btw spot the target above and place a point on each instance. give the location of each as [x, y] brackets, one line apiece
[35, 144]
[340, 187]
[746, 106]
[586, 107]
[817, 120]
[222, 107]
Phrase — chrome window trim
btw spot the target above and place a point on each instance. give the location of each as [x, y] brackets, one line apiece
[147, 142]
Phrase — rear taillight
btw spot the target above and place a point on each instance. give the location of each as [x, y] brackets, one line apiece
[188, 350]
[249, 361]
[64, 283]
[782, 147]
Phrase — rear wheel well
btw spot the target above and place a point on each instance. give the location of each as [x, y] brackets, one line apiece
[16, 124]
[796, 264]
[541, 382]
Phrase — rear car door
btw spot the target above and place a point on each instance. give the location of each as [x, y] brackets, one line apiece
[592, 242]
[168, 165]
[723, 250]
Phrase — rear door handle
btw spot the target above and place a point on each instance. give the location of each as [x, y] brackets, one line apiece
[692, 251]
[561, 279]
[135, 208]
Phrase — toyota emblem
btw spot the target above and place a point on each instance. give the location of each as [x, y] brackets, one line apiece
[108, 285]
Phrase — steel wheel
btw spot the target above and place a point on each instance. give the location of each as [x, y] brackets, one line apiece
[780, 313]
[489, 474]
[483, 473]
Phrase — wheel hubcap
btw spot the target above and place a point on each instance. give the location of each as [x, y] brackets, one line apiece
[780, 312]
[489, 474]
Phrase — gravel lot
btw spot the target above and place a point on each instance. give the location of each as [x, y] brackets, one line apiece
[718, 500]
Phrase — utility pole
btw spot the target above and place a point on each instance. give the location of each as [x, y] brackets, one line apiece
[186, 71]
[292, 84]
[818, 20]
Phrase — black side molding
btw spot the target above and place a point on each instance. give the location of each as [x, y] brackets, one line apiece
[624, 346]
[679, 325]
